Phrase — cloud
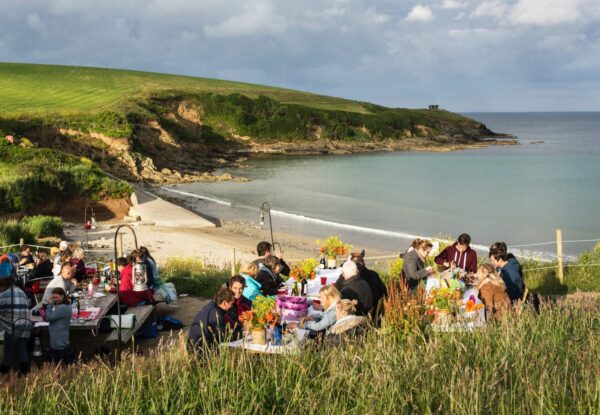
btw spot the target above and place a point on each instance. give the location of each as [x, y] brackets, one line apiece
[490, 8]
[453, 4]
[419, 13]
[551, 12]
[257, 17]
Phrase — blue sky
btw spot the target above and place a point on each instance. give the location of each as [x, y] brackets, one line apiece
[472, 55]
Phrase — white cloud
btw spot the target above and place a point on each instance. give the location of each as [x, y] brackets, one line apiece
[491, 8]
[419, 13]
[453, 4]
[550, 12]
[258, 17]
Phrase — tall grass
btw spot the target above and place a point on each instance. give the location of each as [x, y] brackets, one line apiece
[195, 277]
[528, 364]
[30, 228]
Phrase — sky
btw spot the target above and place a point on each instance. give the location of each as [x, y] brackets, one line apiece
[468, 55]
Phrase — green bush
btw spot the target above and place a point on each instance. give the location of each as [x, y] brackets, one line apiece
[43, 226]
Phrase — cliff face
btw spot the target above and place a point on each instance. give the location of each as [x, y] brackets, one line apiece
[185, 138]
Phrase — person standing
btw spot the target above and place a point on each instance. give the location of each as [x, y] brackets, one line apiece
[459, 254]
[58, 314]
[14, 320]
[413, 267]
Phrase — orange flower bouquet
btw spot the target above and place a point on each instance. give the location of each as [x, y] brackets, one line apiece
[304, 270]
[263, 313]
[334, 247]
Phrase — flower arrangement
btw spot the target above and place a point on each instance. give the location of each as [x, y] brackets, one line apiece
[305, 270]
[263, 313]
[334, 247]
[471, 305]
[444, 299]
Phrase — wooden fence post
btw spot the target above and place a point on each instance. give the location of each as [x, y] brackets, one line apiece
[232, 261]
[559, 256]
[21, 241]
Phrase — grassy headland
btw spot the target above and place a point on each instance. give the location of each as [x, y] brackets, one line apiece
[159, 127]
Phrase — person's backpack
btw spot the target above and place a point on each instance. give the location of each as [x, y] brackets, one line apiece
[166, 323]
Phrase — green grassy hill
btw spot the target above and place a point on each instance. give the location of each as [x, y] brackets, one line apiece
[159, 128]
[34, 89]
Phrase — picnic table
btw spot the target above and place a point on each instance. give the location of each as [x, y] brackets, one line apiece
[466, 321]
[89, 317]
[295, 341]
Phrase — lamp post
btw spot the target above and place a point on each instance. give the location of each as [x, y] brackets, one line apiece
[92, 224]
[265, 207]
[118, 278]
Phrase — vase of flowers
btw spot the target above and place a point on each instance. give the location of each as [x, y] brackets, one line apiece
[332, 248]
[444, 303]
[303, 272]
[262, 315]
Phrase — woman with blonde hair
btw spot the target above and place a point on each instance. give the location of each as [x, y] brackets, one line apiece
[329, 296]
[492, 291]
[248, 271]
[79, 264]
[413, 267]
[348, 325]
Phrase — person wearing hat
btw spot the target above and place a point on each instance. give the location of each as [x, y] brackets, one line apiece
[353, 287]
[62, 247]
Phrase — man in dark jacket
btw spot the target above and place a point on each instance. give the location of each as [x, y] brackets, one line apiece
[210, 325]
[268, 275]
[378, 288]
[353, 287]
[459, 254]
[264, 250]
[510, 270]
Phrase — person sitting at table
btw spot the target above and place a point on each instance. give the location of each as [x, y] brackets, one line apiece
[210, 327]
[459, 254]
[329, 297]
[62, 247]
[236, 285]
[413, 266]
[58, 314]
[127, 295]
[24, 257]
[492, 291]
[248, 271]
[155, 281]
[378, 288]
[78, 262]
[14, 309]
[65, 256]
[64, 280]
[268, 275]
[264, 250]
[43, 266]
[510, 270]
[353, 287]
[348, 325]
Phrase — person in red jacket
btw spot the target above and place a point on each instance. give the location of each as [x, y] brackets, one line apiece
[459, 254]
[126, 294]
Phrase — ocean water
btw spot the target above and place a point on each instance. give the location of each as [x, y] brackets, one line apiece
[517, 194]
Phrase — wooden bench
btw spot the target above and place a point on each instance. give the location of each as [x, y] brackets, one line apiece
[141, 315]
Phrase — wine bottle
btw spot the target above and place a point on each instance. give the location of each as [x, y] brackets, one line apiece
[304, 290]
[295, 292]
[322, 264]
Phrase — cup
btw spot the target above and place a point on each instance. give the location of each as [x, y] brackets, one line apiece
[323, 280]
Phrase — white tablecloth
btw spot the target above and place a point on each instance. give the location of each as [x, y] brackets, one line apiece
[292, 347]
[315, 285]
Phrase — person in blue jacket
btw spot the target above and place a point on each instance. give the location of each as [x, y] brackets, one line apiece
[510, 270]
[248, 270]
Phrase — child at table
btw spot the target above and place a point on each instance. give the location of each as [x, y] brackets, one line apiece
[329, 296]
[492, 291]
[58, 314]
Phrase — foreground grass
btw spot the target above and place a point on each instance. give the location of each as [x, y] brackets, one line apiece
[546, 364]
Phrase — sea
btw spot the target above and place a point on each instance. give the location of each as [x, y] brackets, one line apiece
[519, 194]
